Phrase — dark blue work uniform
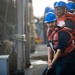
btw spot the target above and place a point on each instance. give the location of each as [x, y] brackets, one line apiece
[64, 65]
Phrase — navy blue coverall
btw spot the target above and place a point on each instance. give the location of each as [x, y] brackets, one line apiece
[64, 65]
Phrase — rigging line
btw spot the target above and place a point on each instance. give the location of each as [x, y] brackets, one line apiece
[6, 19]
[8, 24]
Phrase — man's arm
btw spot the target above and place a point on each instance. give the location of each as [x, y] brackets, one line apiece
[57, 55]
[50, 54]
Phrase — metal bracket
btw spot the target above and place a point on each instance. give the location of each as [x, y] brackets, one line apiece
[20, 37]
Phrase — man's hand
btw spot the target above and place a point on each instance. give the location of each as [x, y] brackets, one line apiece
[49, 64]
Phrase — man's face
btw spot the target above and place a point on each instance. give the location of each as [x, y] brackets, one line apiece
[60, 11]
[51, 25]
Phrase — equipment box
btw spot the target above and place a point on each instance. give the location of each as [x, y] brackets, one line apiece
[4, 65]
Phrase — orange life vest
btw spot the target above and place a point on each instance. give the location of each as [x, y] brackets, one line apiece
[63, 18]
[61, 24]
[54, 39]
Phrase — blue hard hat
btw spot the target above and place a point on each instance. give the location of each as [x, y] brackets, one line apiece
[48, 9]
[51, 10]
[50, 17]
[55, 4]
[70, 6]
[61, 4]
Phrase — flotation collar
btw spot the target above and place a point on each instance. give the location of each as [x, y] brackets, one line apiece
[54, 39]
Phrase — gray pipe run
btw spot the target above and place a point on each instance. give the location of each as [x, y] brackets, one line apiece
[20, 32]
